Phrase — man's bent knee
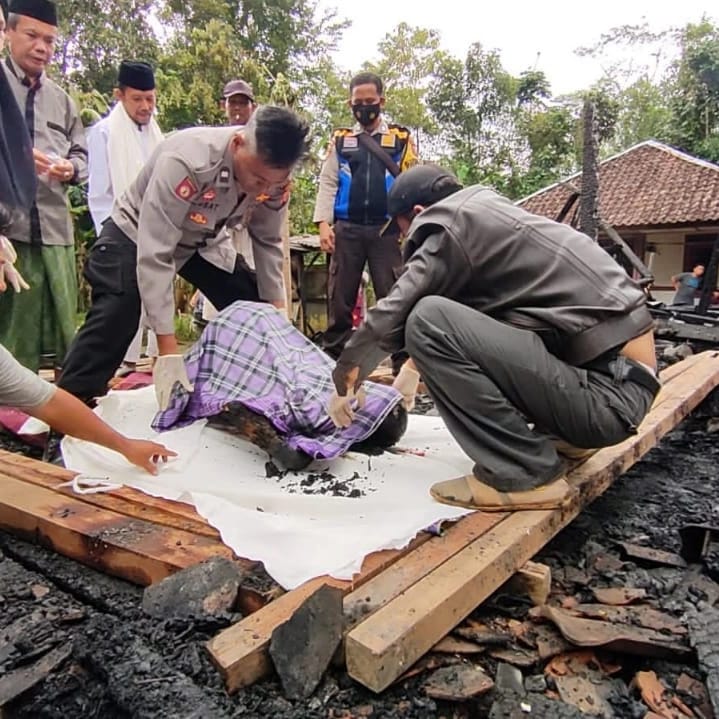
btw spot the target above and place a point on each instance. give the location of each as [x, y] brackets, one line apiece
[426, 314]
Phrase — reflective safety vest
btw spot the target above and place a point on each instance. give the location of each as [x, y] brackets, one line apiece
[364, 180]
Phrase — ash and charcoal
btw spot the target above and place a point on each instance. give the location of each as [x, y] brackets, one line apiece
[319, 482]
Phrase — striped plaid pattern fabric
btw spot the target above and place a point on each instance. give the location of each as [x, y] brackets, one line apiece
[250, 353]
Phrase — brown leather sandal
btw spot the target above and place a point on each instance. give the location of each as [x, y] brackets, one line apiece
[469, 492]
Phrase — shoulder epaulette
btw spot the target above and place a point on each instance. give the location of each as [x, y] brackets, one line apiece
[342, 132]
[399, 130]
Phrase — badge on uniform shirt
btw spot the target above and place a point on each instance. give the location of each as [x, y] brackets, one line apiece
[349, 143]
[387, 140]
[186, 189]
[198, 218]
[262, 197]
[209, 195]
[225, 175]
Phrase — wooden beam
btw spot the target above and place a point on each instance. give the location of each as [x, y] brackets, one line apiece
[678, 368]
[127, 501]
[135, 550]
[410, 568]
[241, 652]
[383, 646]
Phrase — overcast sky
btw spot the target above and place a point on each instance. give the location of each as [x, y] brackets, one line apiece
[526, 33]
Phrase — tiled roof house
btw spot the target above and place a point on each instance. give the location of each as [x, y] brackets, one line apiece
[664, 203]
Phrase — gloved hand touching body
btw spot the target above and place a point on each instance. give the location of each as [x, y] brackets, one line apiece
[341, 408]
[406, 383]
[169, 369]
[342, 404]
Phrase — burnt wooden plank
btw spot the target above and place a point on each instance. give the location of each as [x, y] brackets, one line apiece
[127, 501]
[136, 550]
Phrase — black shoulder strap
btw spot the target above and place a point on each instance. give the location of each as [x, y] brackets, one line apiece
[369, 144]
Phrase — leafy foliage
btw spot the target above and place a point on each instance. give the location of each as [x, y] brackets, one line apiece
[468, 113]
[695, 93]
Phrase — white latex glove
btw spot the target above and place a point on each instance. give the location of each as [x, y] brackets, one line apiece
[406, 383]
[341, 409]
[168, 370]
[8, 273]
[7, 251]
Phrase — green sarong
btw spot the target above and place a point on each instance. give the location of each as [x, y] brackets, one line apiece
[40, 321]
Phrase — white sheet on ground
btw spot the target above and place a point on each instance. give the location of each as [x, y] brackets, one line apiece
[288, 523]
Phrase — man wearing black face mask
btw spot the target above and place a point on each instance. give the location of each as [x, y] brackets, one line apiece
[360, 167]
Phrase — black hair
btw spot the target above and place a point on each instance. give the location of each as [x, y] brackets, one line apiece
[277, 135]
[387, 434]
[367, 78]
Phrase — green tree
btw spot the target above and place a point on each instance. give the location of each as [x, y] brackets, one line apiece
[409, 59]
[285, 37]
[548, 127]
[192, 71]
[631, 98]
[533, 89]
[695, 91]
[550, 134]
[95, 35]
[644, 114]
[474, 102]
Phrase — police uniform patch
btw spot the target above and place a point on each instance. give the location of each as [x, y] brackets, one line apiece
[349, 143]
[186, 189]
[198, 218]
[387, 140]
[209, 195]
[262, 197]
[225, 175]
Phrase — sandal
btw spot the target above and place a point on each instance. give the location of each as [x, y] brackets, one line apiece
[469, 492]
[570, 451]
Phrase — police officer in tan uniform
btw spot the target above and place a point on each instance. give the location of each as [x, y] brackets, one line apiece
[169, 221]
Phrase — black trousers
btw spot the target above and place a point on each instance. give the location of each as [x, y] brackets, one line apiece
[354, 245]
[111, 323]
[489, 379]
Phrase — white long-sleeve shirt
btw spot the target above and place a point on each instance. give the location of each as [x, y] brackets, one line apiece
[100, 195]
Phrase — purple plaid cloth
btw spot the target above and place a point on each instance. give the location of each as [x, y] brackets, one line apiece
[251, 354]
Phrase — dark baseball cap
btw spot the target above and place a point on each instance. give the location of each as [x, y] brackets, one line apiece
[420, 185]
[238, 87]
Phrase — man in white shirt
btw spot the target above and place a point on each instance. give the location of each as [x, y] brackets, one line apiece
[119, 146]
